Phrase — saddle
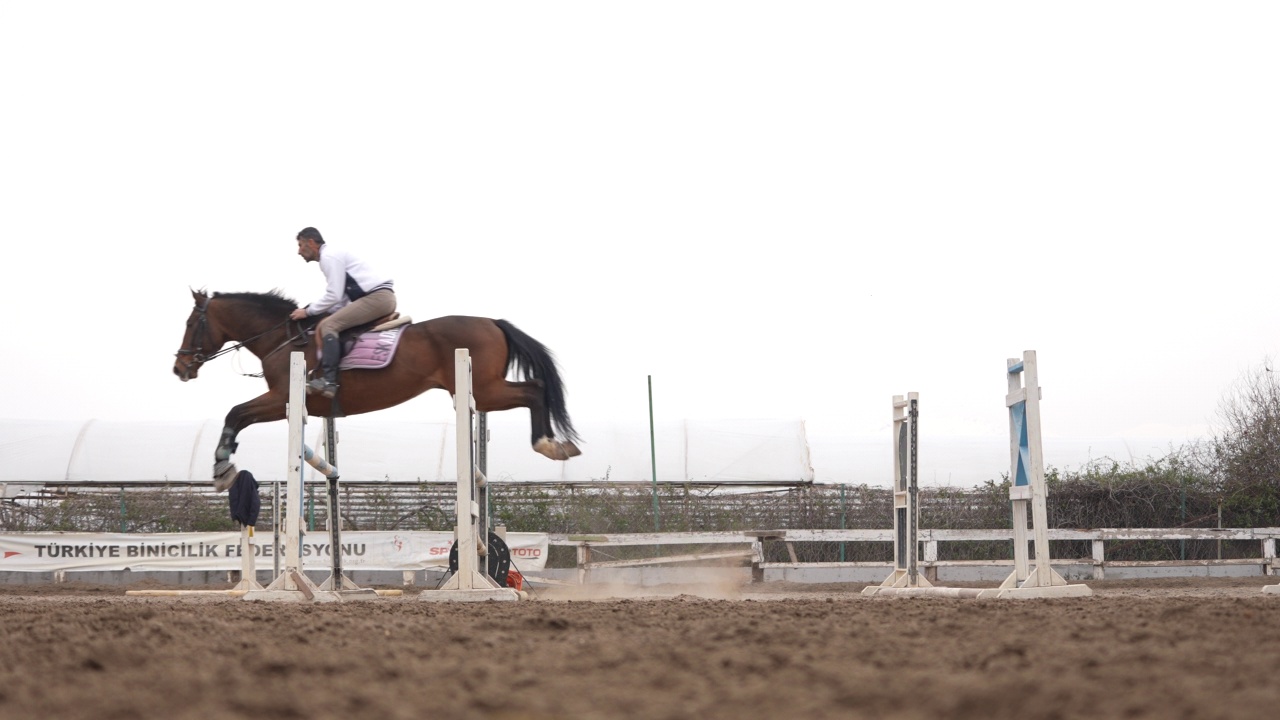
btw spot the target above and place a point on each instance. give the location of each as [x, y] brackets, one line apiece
[386, 322]
[370, 345]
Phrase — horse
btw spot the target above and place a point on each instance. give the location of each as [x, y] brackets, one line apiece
[424, 360]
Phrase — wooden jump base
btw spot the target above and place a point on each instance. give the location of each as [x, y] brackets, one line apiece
[1026, 459]
[470, 583]
[906, 579]
[292, 584]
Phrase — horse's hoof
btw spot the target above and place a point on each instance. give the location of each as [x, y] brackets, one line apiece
[571, 450]
[222, 481]
[550, 448]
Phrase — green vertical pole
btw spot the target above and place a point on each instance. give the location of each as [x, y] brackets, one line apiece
[653, 460]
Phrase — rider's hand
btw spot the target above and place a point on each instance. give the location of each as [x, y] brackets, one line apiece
[299, 314]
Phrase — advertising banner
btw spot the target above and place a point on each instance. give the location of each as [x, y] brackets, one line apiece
[52, 552]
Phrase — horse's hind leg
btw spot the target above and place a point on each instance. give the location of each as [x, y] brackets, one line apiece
[505, 395]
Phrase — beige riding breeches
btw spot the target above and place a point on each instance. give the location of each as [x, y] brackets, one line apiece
[366, 309]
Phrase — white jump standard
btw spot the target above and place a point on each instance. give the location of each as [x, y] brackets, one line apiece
[1026, 473]
[906, 578]
[470, 582]
[292, 584]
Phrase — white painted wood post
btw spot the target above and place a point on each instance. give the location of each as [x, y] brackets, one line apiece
[908, 578]
[1019, 494]
[296, 412]
[1039, 497]
[1026, 475]
[471, 582]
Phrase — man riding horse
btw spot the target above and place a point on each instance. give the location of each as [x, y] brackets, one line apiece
[268, 325]
[354, 293]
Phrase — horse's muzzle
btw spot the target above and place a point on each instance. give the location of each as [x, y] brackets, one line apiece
[186, 371]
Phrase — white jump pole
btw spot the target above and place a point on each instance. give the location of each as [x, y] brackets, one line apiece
[906, 578]
[292, 584]
[470, 582]
[1026, 473]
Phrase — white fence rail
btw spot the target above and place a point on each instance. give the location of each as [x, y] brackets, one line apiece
[752, 547]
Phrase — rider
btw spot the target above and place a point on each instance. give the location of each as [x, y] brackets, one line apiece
[354, 292]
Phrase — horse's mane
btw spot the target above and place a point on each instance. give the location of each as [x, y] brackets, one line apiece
[270, 304]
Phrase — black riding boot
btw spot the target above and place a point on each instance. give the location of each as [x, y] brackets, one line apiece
[331, 353]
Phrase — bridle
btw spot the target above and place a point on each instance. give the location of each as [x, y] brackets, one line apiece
[201, 336]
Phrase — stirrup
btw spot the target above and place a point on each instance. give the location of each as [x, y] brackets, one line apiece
[325, 388]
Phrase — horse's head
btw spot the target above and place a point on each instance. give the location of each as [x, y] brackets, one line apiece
[200, 340]
[243, 318]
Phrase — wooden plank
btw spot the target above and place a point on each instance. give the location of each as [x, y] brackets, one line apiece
[303, 586]
[1185, 563]
[671, 560]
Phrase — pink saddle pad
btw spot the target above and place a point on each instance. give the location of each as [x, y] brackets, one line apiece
[372, 350]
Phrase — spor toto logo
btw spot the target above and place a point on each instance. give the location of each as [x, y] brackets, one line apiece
[532, 552]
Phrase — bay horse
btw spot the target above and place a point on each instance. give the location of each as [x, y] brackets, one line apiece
[424, 360]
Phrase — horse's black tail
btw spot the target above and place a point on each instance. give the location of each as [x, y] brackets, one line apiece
[535, 362]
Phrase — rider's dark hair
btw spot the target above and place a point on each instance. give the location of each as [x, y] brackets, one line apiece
[310, 233]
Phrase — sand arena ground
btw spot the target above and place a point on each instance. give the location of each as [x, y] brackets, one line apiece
[1196, 648]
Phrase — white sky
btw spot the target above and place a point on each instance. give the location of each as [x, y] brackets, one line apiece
[777, 210]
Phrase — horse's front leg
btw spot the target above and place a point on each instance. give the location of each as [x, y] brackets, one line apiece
[268, 407]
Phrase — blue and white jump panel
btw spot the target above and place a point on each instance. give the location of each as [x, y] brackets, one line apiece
[1026, 471]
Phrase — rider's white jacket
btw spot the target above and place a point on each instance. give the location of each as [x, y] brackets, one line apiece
[346, 278]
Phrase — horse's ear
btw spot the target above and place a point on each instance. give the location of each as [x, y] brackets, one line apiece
[198, 295]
